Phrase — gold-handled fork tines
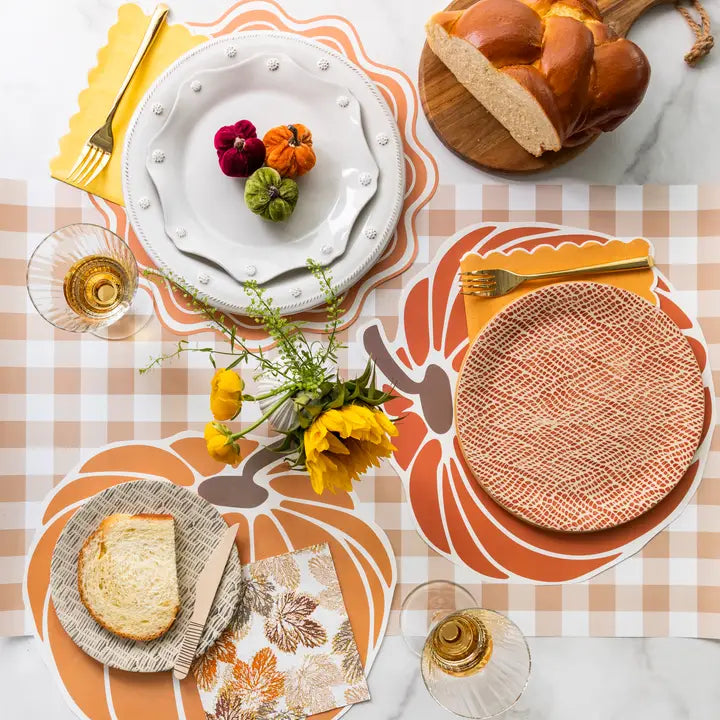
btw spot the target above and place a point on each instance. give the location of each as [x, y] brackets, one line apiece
[496, 282]
[96, 152]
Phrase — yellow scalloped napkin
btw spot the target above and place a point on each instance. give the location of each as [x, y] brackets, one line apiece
[479, 311]
[104, 81]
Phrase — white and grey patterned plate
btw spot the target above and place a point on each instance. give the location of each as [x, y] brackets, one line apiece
[198, 529]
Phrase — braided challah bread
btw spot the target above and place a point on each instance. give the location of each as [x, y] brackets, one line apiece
[549, 70]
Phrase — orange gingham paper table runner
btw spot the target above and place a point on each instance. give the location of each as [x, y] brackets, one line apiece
[63, 396]
[120, 389]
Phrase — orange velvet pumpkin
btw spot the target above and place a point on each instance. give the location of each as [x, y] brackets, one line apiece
[289, 150]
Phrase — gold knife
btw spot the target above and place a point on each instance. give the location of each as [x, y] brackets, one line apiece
[205, 589]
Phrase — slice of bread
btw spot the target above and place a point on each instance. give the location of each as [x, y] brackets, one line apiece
[526, 115]
[127, 576]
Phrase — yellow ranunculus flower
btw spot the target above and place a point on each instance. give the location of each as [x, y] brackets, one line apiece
[226, 394]
[220, 446]
[341, 445]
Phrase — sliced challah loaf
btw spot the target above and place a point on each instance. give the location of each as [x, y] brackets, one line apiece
[549, 70]
[127, 576]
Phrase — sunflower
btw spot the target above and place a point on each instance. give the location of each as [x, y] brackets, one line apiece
[340, 445]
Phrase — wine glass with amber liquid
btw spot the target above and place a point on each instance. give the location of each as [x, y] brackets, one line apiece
[474, 662]
[84, 278]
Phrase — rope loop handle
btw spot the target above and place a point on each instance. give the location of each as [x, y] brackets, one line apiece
[704, 41]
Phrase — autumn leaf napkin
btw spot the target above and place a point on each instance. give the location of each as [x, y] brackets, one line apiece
[290, 650]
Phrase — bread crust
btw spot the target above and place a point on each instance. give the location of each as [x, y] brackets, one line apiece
[506, 32]
[584, 78]
[104, 524]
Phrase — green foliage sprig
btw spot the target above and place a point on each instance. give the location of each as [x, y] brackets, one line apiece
[301, 362]
[306, 370]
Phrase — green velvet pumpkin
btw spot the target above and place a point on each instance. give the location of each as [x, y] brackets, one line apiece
[270, 195]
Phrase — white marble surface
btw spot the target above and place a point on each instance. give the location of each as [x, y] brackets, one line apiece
[572, 679]
[46, 48]
[671, 138]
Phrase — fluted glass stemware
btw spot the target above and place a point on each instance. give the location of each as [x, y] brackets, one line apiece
[84, 278]
[474, 662]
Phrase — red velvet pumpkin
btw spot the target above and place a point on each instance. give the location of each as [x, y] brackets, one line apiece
[240, 151]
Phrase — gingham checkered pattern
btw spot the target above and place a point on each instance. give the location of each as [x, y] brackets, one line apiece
[64, 395]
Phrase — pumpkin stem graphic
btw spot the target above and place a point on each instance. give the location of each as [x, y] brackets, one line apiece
[239, 143]
[295, 142]
[273, 192]
[434, 389]
[240, 490]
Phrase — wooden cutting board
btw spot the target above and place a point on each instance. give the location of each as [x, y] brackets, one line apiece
[471, 132]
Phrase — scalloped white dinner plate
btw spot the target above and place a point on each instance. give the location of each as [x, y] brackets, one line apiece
[204, 210]
[295, 289]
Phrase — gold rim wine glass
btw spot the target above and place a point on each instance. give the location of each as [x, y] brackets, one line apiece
[84, 278]
[474, 662]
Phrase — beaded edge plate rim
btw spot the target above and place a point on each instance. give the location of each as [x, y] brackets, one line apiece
[389, 139]
[190, 231]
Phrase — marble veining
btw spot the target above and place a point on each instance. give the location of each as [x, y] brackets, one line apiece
[640, 164]
[572, 679]
[686, 151]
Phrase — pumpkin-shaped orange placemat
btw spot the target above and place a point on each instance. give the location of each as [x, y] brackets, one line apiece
[421, 363]
[277, 511]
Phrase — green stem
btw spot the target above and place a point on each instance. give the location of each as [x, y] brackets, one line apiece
[289, 344]
[276, 391]
[207, 311]
[273, 408]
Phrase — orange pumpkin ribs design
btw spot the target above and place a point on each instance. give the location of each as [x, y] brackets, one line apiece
[421, 364]
[278, 512]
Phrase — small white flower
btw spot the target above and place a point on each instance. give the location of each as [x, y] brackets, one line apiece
[158, 156]
[203, 278]
[365, 178]
[272, 64]
[250, 270]
[144, 202]
[157, 108]
[195, 86]
[231, 51]
[181, 232]
[326, 249]
[370, 233]
[296, 292]
[343, 101]
[323, 63]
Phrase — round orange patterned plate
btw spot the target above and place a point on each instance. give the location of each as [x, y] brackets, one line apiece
[579, 407]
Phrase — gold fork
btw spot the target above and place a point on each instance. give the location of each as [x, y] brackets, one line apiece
[495, 282]
[97, 150]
